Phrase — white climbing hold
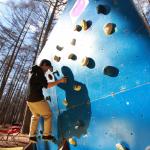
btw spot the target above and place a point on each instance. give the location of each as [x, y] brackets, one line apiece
[120, 147]
[112, 94]
[127, 103]
[85, 61]
[147, 148]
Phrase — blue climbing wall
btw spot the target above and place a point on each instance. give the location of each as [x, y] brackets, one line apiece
[107, 110]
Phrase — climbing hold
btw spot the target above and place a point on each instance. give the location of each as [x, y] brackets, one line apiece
[127, 103]
[78, 28]
[79, 124]
[64, 145]
[111, 71]
[57, 58]
[120, 147]
[65, 102]
[77, 87]
[72, 56]
[131, 133]
[73, 42]
[85, 61]
[88, 62]
[84, 25]
[56, 73]
[102, 9]
[59, 48]
[48, 98]
[50, 77]
[109, 28]
[147, 148]
[112, 94]
[72, 141]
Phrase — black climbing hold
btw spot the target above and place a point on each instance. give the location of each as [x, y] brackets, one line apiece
[73, 42]
[89, 24]
[72, 57]
[111, 71]
[131, 133]
[41, 132]
[78, 28]
[91, 63]
[48, 98]
[59, 48]
[103, 9]
[50, 77]
[56, 73]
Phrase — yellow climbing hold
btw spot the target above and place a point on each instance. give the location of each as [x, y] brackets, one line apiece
[84, 25]
[85, 61]
[72, 141]
[65, 102]
[120, 147]
[108, 28]
[77, 87]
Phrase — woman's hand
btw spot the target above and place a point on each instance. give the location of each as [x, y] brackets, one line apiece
[63, 80]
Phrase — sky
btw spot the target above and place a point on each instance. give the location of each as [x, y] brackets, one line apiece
[16, 1]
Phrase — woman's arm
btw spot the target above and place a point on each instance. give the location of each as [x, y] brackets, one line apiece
[51, 84]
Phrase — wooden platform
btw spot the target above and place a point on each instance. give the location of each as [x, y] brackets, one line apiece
[20, 143]
[14, 148]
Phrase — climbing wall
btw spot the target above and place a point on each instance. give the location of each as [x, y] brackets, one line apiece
[103, 48]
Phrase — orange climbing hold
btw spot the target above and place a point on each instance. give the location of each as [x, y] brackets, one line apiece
[72, 141]
[109, 28]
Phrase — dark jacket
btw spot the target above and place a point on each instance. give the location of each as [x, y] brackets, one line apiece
[37, 81]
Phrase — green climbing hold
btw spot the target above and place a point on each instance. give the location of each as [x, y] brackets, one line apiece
[57, 58]
[78, 28]
[59, 48]
[72, 57]
[73, 42]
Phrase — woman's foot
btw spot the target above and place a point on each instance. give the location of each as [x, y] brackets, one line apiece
[49, 138]
[33, 139]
